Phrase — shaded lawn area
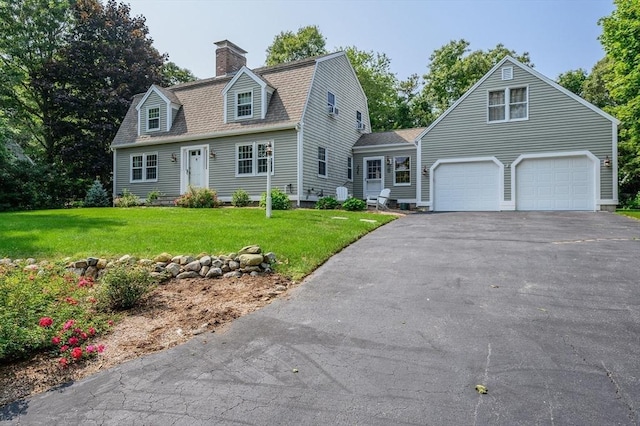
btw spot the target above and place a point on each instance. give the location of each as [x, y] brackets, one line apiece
[631, 213]
[301, 239]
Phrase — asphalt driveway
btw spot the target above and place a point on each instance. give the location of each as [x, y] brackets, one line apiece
[541, 308]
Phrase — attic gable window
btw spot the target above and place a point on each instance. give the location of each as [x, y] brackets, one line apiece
[359, 123]
[153, 119]
[244, 105]
[509, 104]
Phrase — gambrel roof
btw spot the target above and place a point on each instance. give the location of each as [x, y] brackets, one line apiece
[201, 114]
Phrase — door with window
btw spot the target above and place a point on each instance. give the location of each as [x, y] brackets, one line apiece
[373, 176]
[195, 171]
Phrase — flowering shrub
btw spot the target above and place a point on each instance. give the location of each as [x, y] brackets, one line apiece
[71, 342]
[32, 305]
[198, 198]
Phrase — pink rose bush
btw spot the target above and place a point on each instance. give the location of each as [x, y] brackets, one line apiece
[71, 342]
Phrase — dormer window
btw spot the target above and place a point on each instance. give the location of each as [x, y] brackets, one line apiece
[244, 105]
[332, 104]
[153, 119]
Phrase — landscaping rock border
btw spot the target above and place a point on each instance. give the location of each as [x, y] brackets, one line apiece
[248, 260]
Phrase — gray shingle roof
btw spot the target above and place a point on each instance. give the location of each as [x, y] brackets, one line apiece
[202, 105]
[393, 137]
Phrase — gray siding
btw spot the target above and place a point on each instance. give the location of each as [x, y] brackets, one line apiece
[153, 101]
[397, 192]
[222, 169]
[244, 84]
[556, 123]
[337, 133]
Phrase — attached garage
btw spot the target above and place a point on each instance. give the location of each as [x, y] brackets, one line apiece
[467, 185]
[560, 182]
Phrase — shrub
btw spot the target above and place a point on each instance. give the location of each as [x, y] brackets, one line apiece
[29, 298]
[127, 199]
[279, 200]
[122, 287]
[198, 198]
[96, 196]
[327, 203]
[152, 196]
[354, 204]
[632, 202]
[240, 198]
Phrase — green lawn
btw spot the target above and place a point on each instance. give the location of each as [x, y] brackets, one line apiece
[301, 239]
[631, 213]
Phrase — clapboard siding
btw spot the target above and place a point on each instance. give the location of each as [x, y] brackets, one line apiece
[244, 84]
[337, 133]
[556, 123]
[222, 169]
[397, 192]
[153, 101]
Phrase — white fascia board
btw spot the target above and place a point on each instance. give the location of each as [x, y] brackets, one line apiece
[213, 135]
[247, 71]
[152, 89]
[385, 148]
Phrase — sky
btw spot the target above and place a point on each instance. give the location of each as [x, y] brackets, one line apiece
[560, 35]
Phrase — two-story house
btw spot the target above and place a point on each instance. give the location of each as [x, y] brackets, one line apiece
[515, 141]
[213, 133]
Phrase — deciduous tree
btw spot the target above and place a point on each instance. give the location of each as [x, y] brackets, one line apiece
[288, 46]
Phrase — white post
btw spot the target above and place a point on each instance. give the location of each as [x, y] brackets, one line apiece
[269, 179]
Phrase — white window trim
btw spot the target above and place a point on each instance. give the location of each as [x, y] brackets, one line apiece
[155, 129]
[144, 167]
[326, 162]
[394, 171]
[254, 158]
[350, 168]
[334, 105]
[237, 94]
[507, 104]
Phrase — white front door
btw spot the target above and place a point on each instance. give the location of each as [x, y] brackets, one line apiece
[195, 167]
[373, 176]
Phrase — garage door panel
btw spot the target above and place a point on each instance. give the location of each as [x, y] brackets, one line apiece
[555, 184]
[466, 186]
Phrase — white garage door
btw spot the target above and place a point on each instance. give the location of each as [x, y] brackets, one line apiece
[561, 183]
[470, 186]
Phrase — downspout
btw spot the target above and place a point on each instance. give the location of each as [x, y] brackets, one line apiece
[113, 189]
[418, 171]
[300, 158]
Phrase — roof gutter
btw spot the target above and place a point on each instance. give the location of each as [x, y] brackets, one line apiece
[385, 147]
[213, 135]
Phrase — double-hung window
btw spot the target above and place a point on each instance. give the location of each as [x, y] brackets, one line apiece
[322, 161]
[144, 167]
[153, 119]
[359, 123]
[251, 159]
[508, 104]
[244, 105]
[350, 168]
[402, 171]
[332, 104]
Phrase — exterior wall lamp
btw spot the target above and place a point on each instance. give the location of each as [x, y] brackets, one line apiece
[174, 157]
[607, 161]
[425, 171]
[212, 154]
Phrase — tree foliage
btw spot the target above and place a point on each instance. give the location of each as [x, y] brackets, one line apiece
[573, 81]
[173, 74]
[620, 39]
[288, 46]
[453, 69]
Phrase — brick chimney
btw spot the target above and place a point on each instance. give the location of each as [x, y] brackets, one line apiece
[229, 58]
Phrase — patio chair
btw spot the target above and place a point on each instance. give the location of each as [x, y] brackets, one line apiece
[380, 200]
[342, 194]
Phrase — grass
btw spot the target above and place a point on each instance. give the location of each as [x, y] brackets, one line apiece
[631, 213]
[301, 239]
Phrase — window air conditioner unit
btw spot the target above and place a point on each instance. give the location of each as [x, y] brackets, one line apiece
[360, 126]
[333, 110]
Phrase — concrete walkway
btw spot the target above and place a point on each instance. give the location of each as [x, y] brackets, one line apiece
[541, 308]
